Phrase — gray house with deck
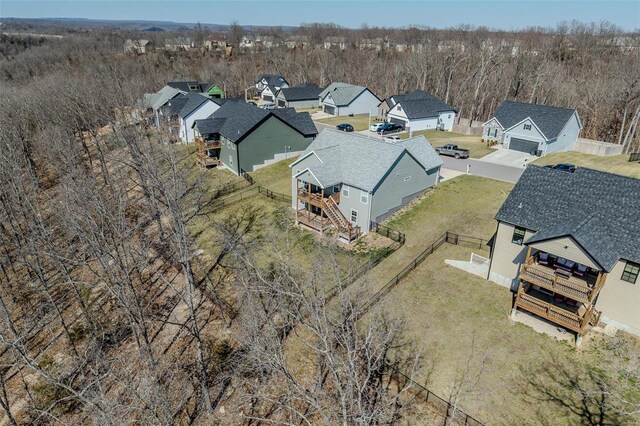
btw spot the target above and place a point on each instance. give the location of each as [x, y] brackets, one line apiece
[347, 180]
[535, 129]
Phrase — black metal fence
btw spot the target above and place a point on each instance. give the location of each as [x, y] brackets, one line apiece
[634, 156]
[450, 414]
[274, 195]
[396, 236]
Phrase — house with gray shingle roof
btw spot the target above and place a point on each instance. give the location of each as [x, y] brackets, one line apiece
[532, 128]
[304, 95]
[568, 246]
[267, 85]
[347, 180]
[187, 108]
[341, 99]
[419, 110]
[249, 137]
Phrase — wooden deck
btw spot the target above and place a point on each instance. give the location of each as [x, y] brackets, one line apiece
[575, 318]
[312, 220]
[581, 290]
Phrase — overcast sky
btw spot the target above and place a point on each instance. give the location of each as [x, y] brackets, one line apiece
[513, 14]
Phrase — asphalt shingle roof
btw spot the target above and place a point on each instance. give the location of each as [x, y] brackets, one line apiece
[183, 105]
[332, 87]
[301, 92]
[344, 95]
[273, 80]
[420, 104]
[550, 120]
[599, 210]
[362, 162]
[236, 118]
[164, 95]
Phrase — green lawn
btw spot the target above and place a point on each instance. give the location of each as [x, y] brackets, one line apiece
[477, 149]
[359, 122]
[276, 177]
[453, 317]
[453, 205]
[618, 164]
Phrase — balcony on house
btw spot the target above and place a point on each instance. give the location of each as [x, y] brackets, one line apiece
[320, 211]
[208, 151]
[559, 290]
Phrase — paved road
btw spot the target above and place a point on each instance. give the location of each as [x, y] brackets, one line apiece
[483, 168]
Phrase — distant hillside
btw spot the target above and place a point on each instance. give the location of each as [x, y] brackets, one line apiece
[155, 26]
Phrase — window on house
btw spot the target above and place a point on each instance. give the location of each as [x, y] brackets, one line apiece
[364, 197]
[336, 189]
[495, 132]
[527, 126]
[449, 116]
[518, 235]
[354, 216]
[630, 273]
[399, 107]
[345, 192]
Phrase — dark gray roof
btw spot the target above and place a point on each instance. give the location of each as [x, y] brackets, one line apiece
[273, 80]
[183, 105]
[185, 86]
[301, 121]
[236, 118]
[362, 162]
[598, 210]
[343, 94]
[420, 104]
[301, 92]
[550, 120]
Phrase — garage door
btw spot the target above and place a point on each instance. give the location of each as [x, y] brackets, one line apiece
[330, 110]
[523, 145]
[268, 98]
[398, 121]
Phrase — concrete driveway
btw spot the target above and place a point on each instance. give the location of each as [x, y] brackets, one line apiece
[508, 157]
[483, 168]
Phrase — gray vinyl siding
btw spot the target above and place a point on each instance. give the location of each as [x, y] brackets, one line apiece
[353, 202]
[527, 134]
[507, 256]
[268, 140]
[229, 149]
[309, 103]
[394, 191]
[567, 137]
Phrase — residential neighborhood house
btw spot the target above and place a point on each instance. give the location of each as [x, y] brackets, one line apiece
[419, 110]
[249, 137]
[535, 129]
[304, 95]
[138, 46]
[341, 99]
[185, 109]
[268, 85]
[346, 180]
[568, 245]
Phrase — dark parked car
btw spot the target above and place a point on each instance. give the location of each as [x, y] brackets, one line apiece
[389, 128]
[345, 127]
[565, 167]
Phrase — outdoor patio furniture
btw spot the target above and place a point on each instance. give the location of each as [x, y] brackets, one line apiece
[563, 273]
[570, 302]
[563, 263]
[558, 298]
[569, 265]
[543, 258]
[580, 269]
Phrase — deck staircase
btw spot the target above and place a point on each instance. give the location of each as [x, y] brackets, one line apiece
[346, 229]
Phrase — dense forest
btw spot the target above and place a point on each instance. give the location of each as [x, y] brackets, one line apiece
[110, 313]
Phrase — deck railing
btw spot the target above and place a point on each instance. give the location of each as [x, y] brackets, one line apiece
[549, 311]
[573, 288]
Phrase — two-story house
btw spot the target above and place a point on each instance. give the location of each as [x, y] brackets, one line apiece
[244, 138]
[568, 245]
[347, 180]
[267, 85]
[535, 129]
[187, 109]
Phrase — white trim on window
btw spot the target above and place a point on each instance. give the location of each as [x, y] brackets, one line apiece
[345, 192]
[364, 197]
[354, 216]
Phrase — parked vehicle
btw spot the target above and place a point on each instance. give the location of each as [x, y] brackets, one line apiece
[452, 151]
[268, 106]
[375, 127]
[565, 167]
[345, 127]
[389, 128]
[392, 138]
